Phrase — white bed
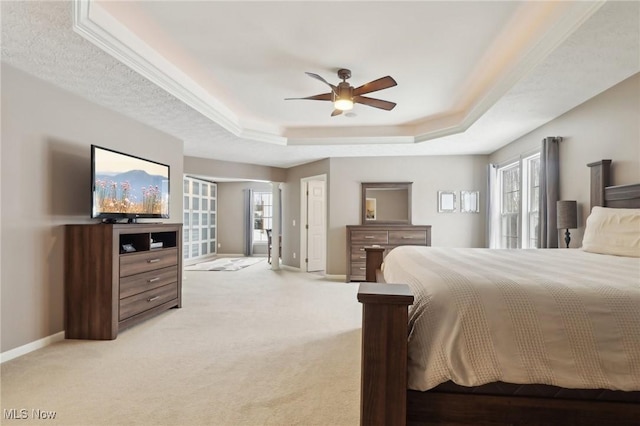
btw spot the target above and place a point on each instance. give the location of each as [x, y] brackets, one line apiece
[561, 317]
[530, 336]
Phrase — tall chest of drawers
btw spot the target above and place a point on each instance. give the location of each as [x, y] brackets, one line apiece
[387, 236]
[117, 275]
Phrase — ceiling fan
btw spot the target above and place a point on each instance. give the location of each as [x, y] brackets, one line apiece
[344, 95]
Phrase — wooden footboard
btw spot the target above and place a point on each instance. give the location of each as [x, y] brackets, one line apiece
[385, 400]
[383, 397]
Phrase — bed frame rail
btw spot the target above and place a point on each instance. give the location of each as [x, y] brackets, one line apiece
[471, 409]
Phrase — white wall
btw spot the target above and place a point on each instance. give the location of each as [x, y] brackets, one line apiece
[605, 127]
[45, 184]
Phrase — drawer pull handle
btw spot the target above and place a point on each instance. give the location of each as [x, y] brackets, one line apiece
[153, 280]
[153, 260]
[363, 257]
[407, 238]
[370, 237]
[363, 268]
[151, 299]
[362, 249]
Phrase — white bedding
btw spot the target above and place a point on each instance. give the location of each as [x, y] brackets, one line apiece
[560, 317]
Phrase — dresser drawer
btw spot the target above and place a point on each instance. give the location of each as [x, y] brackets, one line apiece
[407, 237]
[358, 271]
[138, 283]
[136, 263]
[146, 300]
[369, 237]
[386, 236]
[358, 254]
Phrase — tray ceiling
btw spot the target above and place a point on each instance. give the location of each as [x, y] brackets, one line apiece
[472, 76]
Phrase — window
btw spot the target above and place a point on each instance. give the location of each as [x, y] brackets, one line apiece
[509, 178]
[518, 189]
[262, 215]
[530, 216]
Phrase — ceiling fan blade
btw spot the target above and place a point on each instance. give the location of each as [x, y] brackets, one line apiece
[376, 103]
[317, 77]
[336, 112]
[375, 85]
[321, 97]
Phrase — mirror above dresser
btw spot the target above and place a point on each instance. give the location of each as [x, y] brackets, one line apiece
[385, 223]
[386, 203]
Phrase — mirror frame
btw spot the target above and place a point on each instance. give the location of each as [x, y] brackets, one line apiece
[385, 185]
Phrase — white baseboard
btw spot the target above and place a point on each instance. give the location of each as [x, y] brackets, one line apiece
[30, 347]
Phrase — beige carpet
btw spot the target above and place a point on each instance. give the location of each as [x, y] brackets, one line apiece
[228, 264]
[255, 347]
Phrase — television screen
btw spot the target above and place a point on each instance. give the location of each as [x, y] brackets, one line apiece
[127, 187]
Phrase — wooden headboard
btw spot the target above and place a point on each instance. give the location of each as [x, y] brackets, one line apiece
[604, 195]
[623, 196]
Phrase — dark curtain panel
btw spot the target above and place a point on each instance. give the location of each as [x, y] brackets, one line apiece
[248, 222]
[549, 192]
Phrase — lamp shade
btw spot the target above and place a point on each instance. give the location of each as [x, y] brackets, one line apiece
[567, 214]
[343, 104]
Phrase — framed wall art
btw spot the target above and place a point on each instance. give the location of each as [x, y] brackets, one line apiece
[446, 201]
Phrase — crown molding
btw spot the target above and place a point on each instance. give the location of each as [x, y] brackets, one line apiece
[96, 25]
[453, 123]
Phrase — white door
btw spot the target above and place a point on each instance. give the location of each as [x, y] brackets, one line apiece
[316, 225]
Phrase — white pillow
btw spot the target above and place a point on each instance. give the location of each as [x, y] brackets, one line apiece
[613, 231]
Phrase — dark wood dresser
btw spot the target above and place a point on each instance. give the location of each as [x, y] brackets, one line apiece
[387, 236]
[108, 288]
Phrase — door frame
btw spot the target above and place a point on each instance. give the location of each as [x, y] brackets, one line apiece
[303, 219]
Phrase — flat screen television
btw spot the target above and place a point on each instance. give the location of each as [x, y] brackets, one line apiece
[127, 187]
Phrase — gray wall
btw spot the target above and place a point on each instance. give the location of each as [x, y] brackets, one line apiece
[291, 207]
[605, 127]
[228, 169]
[231, 214]
[46, 135]
[428, 174]
[230, 226]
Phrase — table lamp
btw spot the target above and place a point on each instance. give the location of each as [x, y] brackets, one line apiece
[567, 217]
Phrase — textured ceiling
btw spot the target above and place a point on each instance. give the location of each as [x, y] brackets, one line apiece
[37, 37]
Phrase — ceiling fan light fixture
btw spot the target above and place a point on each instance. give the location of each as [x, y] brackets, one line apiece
[344, 95]
[343, 104]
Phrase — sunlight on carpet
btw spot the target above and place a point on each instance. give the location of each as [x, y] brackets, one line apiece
[225, 264]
